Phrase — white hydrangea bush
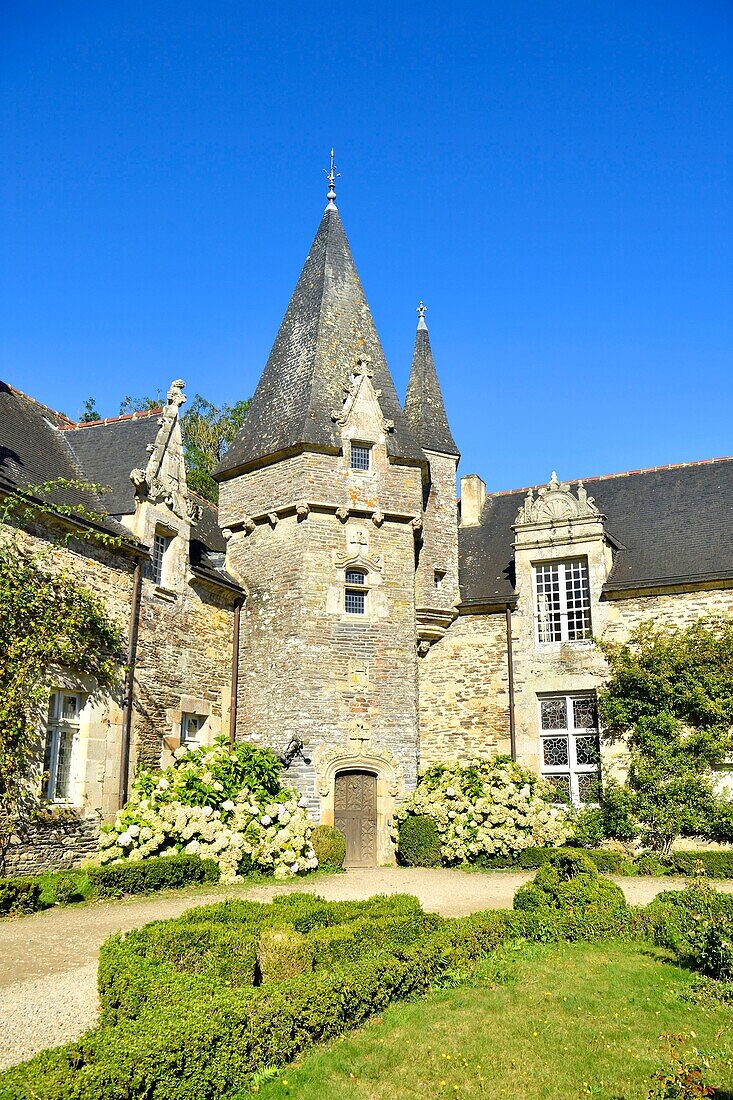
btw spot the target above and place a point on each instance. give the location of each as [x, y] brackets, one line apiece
[216, 802]
[486, 808]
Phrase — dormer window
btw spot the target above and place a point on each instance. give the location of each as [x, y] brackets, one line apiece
[161, 544]
[355, 592]
[361, 457]
[562, 601]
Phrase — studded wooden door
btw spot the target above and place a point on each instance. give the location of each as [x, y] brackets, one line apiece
[355, 814]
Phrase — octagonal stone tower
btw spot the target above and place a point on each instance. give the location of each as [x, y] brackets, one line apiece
[321, 497]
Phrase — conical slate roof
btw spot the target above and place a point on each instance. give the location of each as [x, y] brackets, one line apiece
[327, 327]
[424, 407]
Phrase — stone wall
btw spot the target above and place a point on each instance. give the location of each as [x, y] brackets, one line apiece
[464, 700]
[52, 845]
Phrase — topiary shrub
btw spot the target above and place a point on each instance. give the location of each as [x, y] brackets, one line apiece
[283, 953]
[20, 895]
[329, 844]
[587, 905]
[486, 808]
[418, 843]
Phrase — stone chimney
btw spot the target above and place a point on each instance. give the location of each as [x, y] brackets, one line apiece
[473, 498]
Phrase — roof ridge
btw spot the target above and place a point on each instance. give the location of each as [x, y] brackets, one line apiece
[46, 408]
[622, 473]
[138, 415]
[204, 500]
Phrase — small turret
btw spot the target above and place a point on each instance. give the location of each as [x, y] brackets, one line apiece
[436, 577]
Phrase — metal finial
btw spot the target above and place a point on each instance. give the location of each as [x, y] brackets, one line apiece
[332, 176]
[421, 311]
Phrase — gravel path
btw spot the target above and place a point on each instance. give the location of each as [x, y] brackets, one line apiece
[48, 961]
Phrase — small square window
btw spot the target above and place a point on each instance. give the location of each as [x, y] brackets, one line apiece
[361, 456]
[438, 578]
[354, 602]
[191, 726]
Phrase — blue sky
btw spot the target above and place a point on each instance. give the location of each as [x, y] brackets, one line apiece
[553, 178]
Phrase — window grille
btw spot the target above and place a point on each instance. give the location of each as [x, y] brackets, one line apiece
[355, 576]
[569, 746]
[157, 556]
[191, 726]
[361, 456]
[355, 602]
[62, 727]
[562, 601]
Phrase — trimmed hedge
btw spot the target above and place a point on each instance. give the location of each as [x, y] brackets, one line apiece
[419, 842]
[329, 844]
[222, 1038]
[20, 895]
[145, 875]
[716, 864]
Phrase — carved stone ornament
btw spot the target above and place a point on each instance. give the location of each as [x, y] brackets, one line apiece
[556, 503]
[302, 509]
[342, 514]
[377, 518]
[274, 519]
[226, 533]
[163, 481]
[330, 760]
[248, 524]
[417, 523]
[423, 648]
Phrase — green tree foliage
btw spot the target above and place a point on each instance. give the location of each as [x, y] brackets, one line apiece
[90, 413]
[208, 431]
[670, 696]
[47, 620]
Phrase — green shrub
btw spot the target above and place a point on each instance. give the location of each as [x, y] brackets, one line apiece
[715, 864]
[650, 864]
[588, 905]
[419, 842]
[67, 887]
[675, 917]
[608, 862]
[143, 876]
[283, 953]
[329, 844]
[588, 827]
[20, 895]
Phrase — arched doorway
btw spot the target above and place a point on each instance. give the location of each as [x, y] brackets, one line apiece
[355, 814]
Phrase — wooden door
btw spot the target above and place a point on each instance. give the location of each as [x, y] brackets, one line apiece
[355, 814]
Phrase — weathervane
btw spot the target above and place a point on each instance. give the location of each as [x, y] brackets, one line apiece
[332, 176]
[421, 311]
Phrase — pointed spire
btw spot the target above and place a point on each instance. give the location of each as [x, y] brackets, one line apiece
[332, 176]
[327, 330]
[424, 406]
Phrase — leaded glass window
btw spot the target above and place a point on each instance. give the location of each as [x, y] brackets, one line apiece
[562, 601]
[157, 556]
[361, 456]
[62, 729]
[570, 753]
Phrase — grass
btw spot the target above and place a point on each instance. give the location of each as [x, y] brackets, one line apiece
[544, 1022]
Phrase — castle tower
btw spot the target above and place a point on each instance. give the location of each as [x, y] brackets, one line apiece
[436, 577]
[321, 501]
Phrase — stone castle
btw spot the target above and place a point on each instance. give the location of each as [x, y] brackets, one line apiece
[343, 607]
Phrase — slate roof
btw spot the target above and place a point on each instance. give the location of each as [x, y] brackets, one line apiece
[327, 327]
[671, 525]
[424, 406]
[109, 449]
[33, 451]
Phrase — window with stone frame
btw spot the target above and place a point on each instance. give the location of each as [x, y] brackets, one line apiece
[355, 592]
[569, 746]
[361, 457]
[160, 547]
[61, 744]
[562, 601]
[191, 727]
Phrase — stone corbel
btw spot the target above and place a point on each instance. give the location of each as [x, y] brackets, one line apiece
[342, 514]
[377, 518]
[248, 524]
[417, 523]
[302, 510]
[273, 519]
[226, 533]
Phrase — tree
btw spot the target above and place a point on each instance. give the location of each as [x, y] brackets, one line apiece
[90, 412]
[47, 621]
[670, 696]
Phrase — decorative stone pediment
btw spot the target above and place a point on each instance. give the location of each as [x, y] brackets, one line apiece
[163, 481]
[361, 380]
[556, 503]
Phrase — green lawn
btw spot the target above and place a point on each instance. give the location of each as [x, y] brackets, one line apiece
[553, 1022]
